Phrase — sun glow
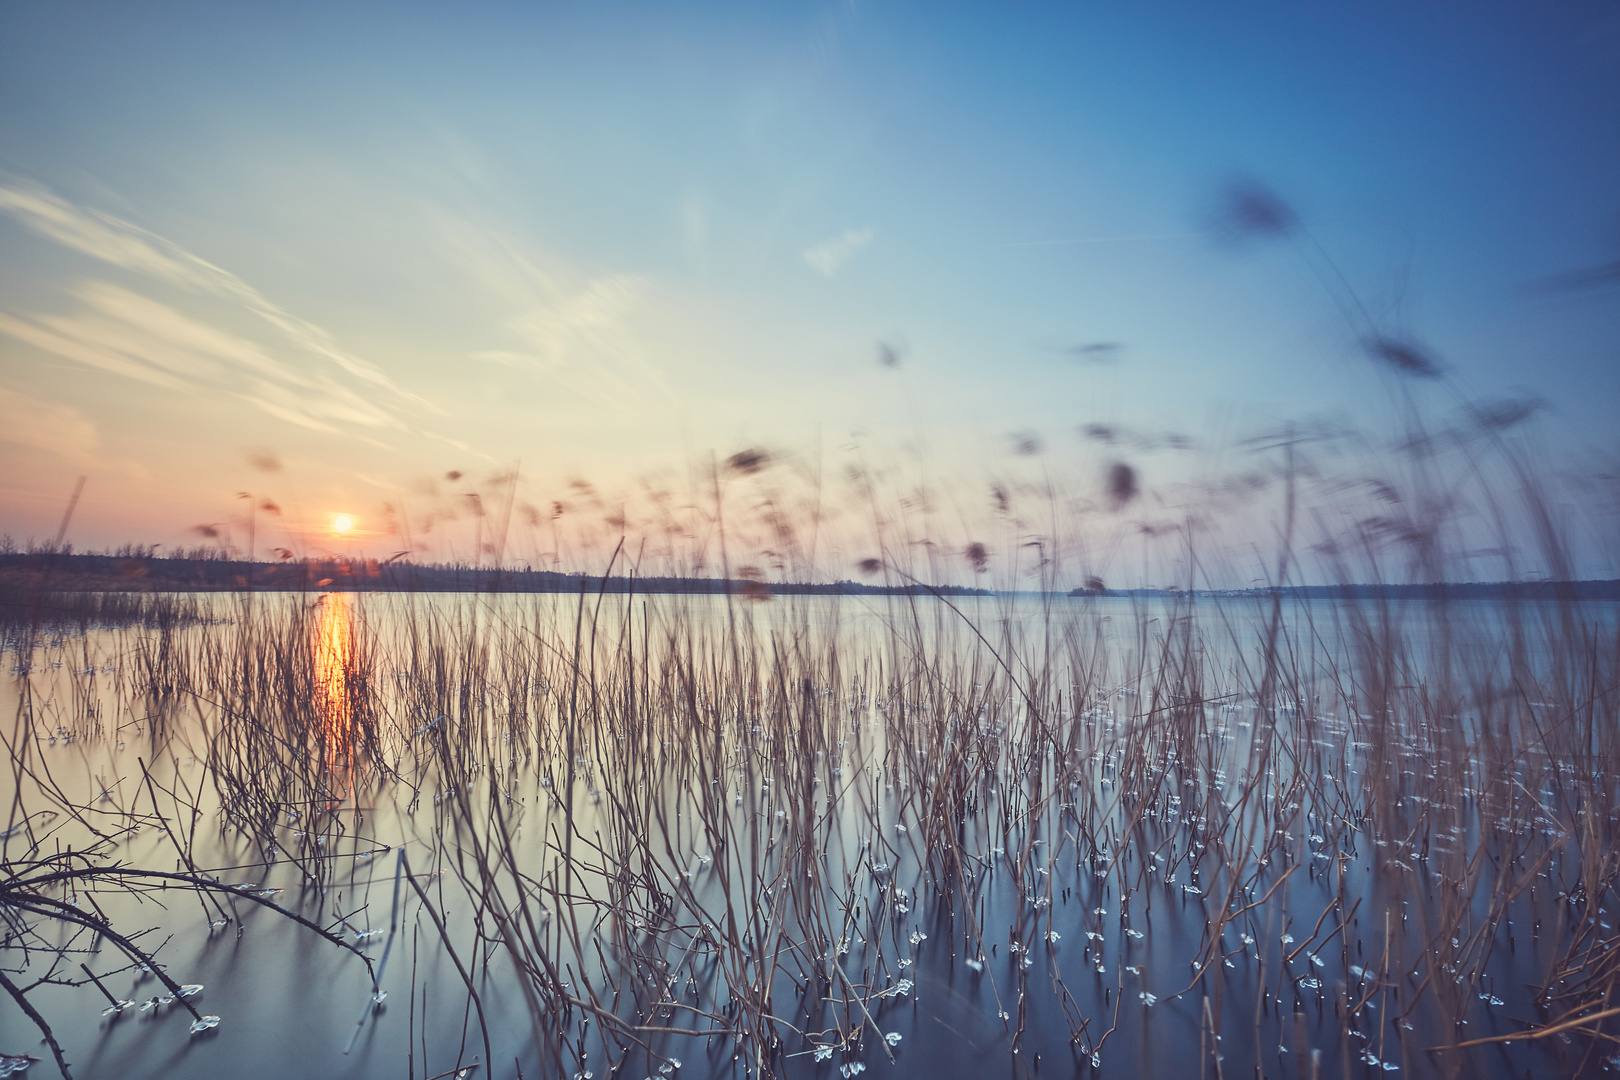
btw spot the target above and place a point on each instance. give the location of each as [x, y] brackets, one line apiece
[342, 523]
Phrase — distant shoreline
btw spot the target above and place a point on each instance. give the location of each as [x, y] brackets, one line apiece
[1442, 590]
[151, 573]
[119, 573]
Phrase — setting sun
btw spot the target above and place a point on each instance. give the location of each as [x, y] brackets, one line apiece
[342, 523]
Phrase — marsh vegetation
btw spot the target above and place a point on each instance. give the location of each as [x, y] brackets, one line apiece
[624, 835]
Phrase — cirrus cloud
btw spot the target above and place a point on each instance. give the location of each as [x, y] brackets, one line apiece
[830, 255]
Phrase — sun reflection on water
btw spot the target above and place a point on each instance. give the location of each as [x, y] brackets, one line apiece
[334, 655]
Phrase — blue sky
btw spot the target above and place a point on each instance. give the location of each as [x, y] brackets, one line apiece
[388, 241]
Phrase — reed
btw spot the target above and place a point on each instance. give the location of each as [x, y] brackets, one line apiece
[745, 834]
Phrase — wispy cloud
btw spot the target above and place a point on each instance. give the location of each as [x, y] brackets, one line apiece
[74, 348]
[580, 330]
[302, 374]
[46, 425]
[829, 255]
[127, 334]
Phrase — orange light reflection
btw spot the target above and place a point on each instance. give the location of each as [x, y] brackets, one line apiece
[334, 655]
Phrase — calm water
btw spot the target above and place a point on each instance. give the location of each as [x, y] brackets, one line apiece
[1117, 905]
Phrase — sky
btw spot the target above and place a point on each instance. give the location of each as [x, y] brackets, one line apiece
[372, 260]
